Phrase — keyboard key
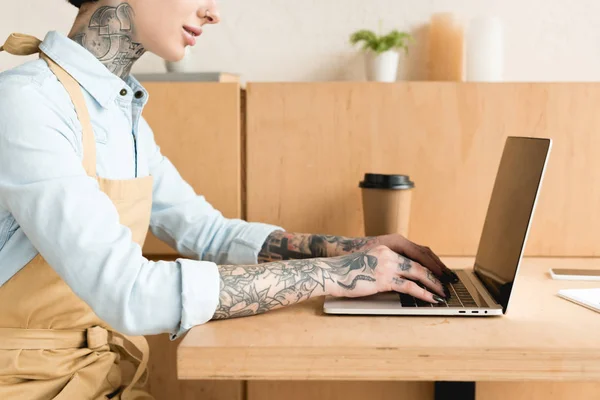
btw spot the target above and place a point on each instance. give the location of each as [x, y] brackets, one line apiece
[459, 297]
[406, 300]
[421, 303]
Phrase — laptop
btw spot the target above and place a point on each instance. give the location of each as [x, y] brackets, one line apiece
[484, 290]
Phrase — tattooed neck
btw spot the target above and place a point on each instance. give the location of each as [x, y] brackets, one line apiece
[107, 32]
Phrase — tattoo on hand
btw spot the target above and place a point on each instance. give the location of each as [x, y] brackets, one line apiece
[357, 278]
[406, 265]
[281, 246]
[432, 277]
[250, 290]
[399, 281]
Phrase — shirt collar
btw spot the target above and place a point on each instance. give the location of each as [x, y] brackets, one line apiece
[88, 71]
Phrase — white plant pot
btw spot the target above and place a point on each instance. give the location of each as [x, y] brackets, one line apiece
[382, 67]
[179, 66]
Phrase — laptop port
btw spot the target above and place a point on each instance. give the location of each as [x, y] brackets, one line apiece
[462, 312]
[475, 312]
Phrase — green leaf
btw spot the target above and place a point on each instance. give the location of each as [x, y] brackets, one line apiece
[379, 44]
[363, 36]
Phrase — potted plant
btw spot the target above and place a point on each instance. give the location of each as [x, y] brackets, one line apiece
[382, 52]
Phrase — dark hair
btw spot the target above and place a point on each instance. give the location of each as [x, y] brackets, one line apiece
[78, 3]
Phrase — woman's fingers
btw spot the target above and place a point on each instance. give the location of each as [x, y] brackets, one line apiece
[426, 257]
[451, 276]
[409, 287]
[421, 256]
[416, 272]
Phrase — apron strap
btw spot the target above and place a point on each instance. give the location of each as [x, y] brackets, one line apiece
[36, 339]
[24, 45]
[137, 349]
[20, 44]
[74, 90]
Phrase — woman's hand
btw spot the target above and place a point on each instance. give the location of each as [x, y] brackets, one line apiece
[382, 270]
[421, 254]
[255, 289]
[355, 267]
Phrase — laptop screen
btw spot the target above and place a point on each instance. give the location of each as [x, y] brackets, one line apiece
[509, 214]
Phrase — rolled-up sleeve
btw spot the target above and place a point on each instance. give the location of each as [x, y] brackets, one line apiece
[76, 228]
[191, 225]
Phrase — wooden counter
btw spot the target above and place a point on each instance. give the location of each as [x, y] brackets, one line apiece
[542, 337]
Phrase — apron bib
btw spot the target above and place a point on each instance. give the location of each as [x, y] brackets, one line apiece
[52, 345]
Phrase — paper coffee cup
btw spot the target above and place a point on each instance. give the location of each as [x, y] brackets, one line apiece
[386, 204]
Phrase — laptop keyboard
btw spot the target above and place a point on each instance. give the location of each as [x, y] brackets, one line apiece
[459, 297]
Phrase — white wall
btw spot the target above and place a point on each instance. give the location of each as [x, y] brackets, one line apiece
[303, 40]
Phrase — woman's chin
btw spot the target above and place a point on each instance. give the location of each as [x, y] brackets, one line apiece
[174, 55]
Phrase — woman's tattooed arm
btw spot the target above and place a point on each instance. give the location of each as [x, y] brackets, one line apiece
[254, 289]
[281, 246]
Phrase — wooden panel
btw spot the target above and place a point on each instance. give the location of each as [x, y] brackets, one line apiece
[244, 161]
[310, 144]
[542, 337]
[301, 390]
[164, 385]
[538, 391]
[197, 126]
[340, 390]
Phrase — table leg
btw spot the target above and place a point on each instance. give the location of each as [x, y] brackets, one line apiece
[455, 390]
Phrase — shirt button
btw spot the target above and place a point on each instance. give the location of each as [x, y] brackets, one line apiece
[139, 94]
[123, 92]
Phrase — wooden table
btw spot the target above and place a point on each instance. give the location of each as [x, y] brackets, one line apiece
[542, 337]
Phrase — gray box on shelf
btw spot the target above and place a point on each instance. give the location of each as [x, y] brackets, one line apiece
[189, 77]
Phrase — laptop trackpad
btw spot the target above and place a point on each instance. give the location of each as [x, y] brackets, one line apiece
[377, 301]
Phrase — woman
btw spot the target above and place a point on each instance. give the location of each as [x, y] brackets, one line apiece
[81, 180]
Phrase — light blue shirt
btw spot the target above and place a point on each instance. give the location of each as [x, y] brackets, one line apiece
[49, 205]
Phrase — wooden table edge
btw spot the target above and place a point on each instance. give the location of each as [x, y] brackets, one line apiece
[388, 364]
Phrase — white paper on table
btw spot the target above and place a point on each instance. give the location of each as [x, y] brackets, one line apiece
[589, 298]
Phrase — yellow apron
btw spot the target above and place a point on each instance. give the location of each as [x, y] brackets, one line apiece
[52, 345]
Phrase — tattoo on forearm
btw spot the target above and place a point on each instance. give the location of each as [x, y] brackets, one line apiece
[281, 246]
[251, 290]
[109, 37]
